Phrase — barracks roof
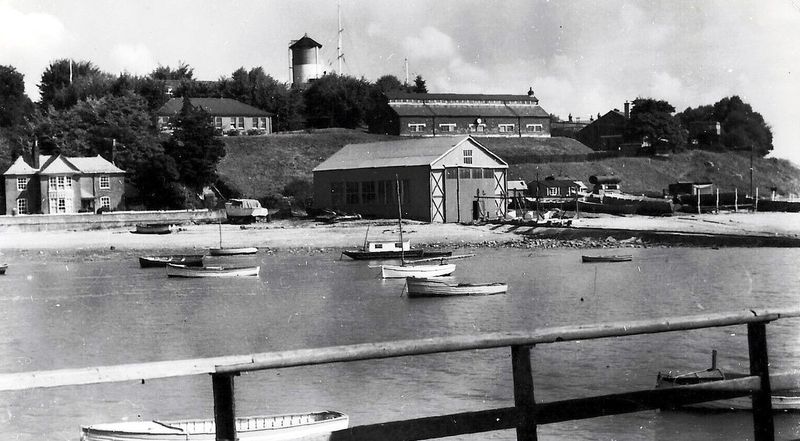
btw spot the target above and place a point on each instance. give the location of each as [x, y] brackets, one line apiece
[214, 107]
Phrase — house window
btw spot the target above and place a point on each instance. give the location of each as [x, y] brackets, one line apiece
[105, 201]
[60, 182]
[240, 124]
[60, 205]
[534, 127]
[477, 127]
[506, 128]
[22, 184]
[468, 156]
[447, 127]
[337, 193]
[255, 122]
[105, 183]
[416, 127]
[22, 206]
[218, 122]
[552, 191]
[368, 192]
[351, 193]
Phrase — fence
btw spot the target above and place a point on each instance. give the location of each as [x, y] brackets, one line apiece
[526, 414]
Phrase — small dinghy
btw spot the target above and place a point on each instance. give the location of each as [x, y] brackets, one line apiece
[232, 251]
[314, 425]
[177, 259]
[427, 287]
[611, 258]
[152, 229]
[211, 271]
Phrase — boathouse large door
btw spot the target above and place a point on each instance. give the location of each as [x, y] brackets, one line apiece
[437, 195]
[451, 205]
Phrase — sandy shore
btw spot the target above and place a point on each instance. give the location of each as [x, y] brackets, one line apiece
[312, 236]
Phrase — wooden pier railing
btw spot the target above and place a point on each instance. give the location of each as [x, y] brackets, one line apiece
[524, 416]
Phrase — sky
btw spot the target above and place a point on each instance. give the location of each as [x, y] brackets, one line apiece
[581, 57]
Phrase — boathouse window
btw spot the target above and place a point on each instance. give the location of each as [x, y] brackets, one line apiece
[368, 192]
[468, 156]
[476, 173]
[383, 197]
[506, 128]
[22, 206]
[105, 182]
[22, 184]
[534, 127]
[105, 201]
[451, 173]
[405, 191]
[337, 193]
[351, 193]
[488, 173]
[464, 173]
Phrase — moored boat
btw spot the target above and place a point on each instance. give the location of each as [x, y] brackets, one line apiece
[152, 229]
[313, 425]
[3, 268]
[232, 251]
[428, 287]
[374, 250]
[178, 259]
[784, 400]
[609, 258]
[211, 271]
[400, 271]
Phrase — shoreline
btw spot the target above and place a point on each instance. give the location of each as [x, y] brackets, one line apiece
[306, 236]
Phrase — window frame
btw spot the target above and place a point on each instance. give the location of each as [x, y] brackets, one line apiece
[447, 127]
[22, 206]
[506, 128]
[104, 182]
[466, 155]
[535, 128]
[105, 201]
[416, 127]
[22, 183]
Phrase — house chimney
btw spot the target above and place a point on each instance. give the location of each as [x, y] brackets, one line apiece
[35, 155]
[627, 110]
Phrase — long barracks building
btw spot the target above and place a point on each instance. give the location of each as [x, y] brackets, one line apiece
[451, 114]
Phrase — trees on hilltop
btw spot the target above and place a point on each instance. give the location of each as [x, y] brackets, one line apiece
[742, 128]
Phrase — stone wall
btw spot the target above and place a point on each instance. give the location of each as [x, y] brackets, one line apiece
[116, 219]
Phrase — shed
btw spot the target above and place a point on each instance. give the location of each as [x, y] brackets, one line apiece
[442, 179]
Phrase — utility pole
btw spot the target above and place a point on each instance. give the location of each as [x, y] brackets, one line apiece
[751, 171]
[406, 63]
[339, 55]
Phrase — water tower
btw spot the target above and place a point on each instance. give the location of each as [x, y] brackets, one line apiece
[305, 61]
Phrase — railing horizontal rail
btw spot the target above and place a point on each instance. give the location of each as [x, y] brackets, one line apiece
[368, 351]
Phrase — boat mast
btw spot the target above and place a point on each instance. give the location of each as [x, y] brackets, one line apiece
[339, 55]
[400, 219]
[220, 233]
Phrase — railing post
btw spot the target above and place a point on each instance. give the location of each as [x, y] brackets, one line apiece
[224, 407]
[763, 426]
[523, 392]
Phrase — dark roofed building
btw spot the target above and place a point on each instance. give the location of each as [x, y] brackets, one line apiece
[452, 114]
[439, 180]
[226, 113]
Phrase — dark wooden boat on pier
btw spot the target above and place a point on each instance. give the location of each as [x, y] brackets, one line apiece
[177, 259]
[152, 229]
[313, 425]
[610, 258]
[433, 287]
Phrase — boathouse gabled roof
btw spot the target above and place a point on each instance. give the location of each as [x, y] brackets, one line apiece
[405, 153]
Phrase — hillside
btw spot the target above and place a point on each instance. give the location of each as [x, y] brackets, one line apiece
[260, 166]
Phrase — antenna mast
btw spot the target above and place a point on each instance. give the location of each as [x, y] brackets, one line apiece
[339, 54]
[406, 62]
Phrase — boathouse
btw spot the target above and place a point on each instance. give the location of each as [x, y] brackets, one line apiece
[442, 179]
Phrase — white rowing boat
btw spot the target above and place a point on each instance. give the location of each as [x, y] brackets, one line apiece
[418, 287]
[308, 426]
[211, 271]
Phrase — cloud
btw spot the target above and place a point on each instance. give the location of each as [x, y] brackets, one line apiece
[132, 58]
[431, 44]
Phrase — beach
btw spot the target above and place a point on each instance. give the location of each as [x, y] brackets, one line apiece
[310, 236]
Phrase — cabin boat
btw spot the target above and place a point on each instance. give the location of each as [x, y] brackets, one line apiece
[306, 426]
[432, 287]
[177, 259]
[245, 211]
[424, 271]
[392, 250]
[232, 251]
[152, 229]
[787, 400]
[611, 258]
[211, 271]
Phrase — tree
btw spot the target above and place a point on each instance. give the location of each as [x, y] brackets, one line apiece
[390, 83]
[652, 120]
[14, 104]
[336, 101]
[65, 82]
[419, 85]
[182, 72]
[194, 147]
[742, 128]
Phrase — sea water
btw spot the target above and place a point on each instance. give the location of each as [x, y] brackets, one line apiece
[58, 314]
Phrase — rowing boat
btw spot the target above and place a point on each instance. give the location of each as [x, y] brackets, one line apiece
[401, 271]
[611, 258]
[211, 271]
[177, 259]
[308, 426]
[152, 229]
[232, 251]
[427, 287]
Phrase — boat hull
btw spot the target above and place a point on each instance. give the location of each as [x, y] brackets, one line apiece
[162, 261]
[232, 251]
[3, 268]
[152, 229]
[616, 258]
[211, 271]
[311, 426]
[411, 254]
[418, 287]
[423, 271]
